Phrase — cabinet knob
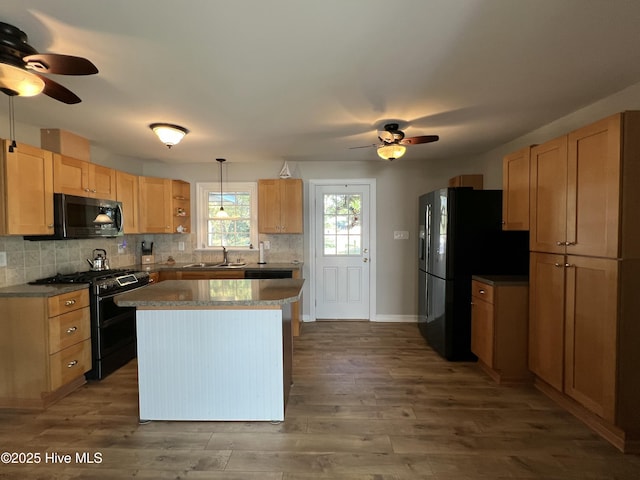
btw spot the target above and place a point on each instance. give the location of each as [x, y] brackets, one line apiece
[481, 291]
[558, 264]
[68, 303]
[71, 330]
[72, 363]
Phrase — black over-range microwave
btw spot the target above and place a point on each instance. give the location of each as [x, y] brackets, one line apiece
[83, 217]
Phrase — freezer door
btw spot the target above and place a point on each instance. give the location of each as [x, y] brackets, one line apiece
[439, 233]
[424, 232]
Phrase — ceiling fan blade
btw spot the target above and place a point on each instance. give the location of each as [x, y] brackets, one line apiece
[60, 64]
[365, 146]
[58, 92]
[419, 139]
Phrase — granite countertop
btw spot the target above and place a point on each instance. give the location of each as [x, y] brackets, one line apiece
[157, 267]
[212, 293]
[502, 279]
[27, 290]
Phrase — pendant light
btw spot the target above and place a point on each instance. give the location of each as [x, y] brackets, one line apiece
[102, 218]
[221, 213]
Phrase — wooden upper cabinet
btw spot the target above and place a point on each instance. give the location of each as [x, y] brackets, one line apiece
[26, 187]
[548, 200]
[280, 206]
[127, 192]
[515, 190]
[84, 179]
[475, 181]
[593, 188]
[581, 202]
[181, 206]
[155, 205]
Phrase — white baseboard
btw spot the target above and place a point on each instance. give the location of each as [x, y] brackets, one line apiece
[396, 318]
[380, 318]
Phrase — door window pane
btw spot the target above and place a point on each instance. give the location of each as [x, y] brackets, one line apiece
[342, 224]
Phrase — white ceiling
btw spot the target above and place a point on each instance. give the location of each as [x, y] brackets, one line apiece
[302, 80]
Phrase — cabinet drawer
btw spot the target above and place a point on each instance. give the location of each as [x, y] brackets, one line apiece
[69, 329]
[68, 301]
[482, 290]
[70, 363]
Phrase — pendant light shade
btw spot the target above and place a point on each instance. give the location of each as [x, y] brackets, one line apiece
[391, 151]
[102, 218]
[221, 213]
[168, 133]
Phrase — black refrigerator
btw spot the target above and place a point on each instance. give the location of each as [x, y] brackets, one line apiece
[460, 235]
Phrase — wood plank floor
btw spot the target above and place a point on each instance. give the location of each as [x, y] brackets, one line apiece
[370, 401]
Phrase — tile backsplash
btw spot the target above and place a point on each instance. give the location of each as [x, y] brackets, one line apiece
[27, 260]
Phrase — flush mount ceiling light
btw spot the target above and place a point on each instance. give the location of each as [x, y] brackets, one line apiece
[391, 151]
[221, 213]
[18, 81]
[168, 133]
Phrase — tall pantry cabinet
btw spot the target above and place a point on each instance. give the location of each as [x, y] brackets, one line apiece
[585, 264]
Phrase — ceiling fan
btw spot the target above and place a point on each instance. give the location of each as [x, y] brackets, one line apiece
[393, 142]
[21, 67]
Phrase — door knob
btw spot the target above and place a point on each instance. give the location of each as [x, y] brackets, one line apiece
[365, 260]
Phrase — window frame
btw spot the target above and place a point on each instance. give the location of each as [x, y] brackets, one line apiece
[202, 199]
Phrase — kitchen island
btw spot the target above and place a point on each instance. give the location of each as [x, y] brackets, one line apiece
[214, 349]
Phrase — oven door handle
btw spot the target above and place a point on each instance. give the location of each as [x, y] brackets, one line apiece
[106, 297]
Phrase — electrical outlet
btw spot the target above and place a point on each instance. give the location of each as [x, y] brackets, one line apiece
[267, 245]
[181, 246]
[3, 259]
[401, 235]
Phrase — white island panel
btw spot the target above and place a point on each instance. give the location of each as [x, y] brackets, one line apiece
[210, 364]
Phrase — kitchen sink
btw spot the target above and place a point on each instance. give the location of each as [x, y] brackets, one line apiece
[215, 265]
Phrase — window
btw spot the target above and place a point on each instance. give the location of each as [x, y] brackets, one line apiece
[342, 227]
[240, 228]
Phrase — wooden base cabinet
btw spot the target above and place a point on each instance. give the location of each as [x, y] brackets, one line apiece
[582, 319]
[499, 316]
[45, 349]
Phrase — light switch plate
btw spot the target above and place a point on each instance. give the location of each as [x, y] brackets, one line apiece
[401, 235]
[3, 259]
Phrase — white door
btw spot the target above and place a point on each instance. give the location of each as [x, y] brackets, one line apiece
[342, 251]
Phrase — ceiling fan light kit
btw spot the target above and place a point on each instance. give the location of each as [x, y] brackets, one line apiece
[168, 133]
[393, 141]
[391, 151]
[21, 67]
[18, 81]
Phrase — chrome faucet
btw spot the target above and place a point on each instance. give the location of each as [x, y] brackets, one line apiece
[225, 259]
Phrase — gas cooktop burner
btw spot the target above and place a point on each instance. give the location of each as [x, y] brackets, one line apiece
[82, 277]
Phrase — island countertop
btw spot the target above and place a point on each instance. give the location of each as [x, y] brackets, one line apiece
[213, 293]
